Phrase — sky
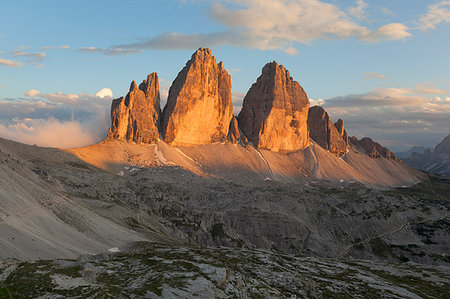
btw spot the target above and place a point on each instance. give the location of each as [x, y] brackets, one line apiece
[382, 66]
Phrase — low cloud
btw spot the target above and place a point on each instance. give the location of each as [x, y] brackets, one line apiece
[238, 99]
[56, 119]
[437, 13]
[50, 132]
[32, 93]
[372, 75]
[400, 114]
[10, 63]
[429, 88]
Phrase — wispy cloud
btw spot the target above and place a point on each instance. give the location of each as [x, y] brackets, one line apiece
[291, 51]
[373, 75]
[269, 25]
[34, 56]
[359, 11]
[110, 52]
[10, 63]
[437, 13]
[63, 47]
[429, 88]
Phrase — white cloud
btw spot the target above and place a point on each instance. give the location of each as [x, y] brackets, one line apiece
[318, 102]
[104, 93]
[268, 25]
[50, 132]
[437, 13]
[291, 51]
[32, 93]
[47, 119]
[373, 75]
[393, 31]
[10, 63]
[358, 11]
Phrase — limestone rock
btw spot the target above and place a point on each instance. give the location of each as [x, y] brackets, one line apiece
[275, 111]
[137, 116]
[372, 149]
[324, 132]
[233, 132]
[199, 107]
[340, 127]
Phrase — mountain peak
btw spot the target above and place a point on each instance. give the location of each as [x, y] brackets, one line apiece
[275, 111]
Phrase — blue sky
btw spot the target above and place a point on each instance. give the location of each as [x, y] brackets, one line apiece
[382, 66]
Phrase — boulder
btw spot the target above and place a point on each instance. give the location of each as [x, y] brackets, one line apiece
[275, 111]
[199, 107]
[137, 116]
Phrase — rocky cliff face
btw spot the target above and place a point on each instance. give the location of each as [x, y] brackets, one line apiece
[137, 116]
[340, 127]
[199, 107]
[275, 111]
[372, 149]
[325, 133]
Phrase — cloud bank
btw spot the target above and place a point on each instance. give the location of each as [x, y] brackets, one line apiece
[56, 119]
[398, 117]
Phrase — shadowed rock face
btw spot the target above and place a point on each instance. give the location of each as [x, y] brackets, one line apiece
[373, 149]
[137, 116]
[275, 111]
[199, 107]
[233, 132]
[340, 127]
[324, 132]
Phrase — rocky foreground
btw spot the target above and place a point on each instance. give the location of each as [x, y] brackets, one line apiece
[155, 271]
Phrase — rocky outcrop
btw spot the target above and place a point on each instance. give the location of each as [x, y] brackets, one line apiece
[275, 111]
[233, 132]
[372, 149]
[340, 127]
[137, 116]
[324, 132]
[199, 107]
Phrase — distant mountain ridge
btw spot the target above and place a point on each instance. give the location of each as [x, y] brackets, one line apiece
[435, 161]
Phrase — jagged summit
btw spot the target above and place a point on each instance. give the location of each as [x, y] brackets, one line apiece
[199, 107]
[372, 149]
[137, 116]
[275, 111]
[325, 133]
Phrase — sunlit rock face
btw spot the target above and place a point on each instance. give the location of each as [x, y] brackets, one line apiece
[275, 111]
[136, 117]
[199, 107]
[372, 149]
[324, 132]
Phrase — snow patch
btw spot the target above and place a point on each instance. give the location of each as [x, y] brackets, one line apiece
[114, 249]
